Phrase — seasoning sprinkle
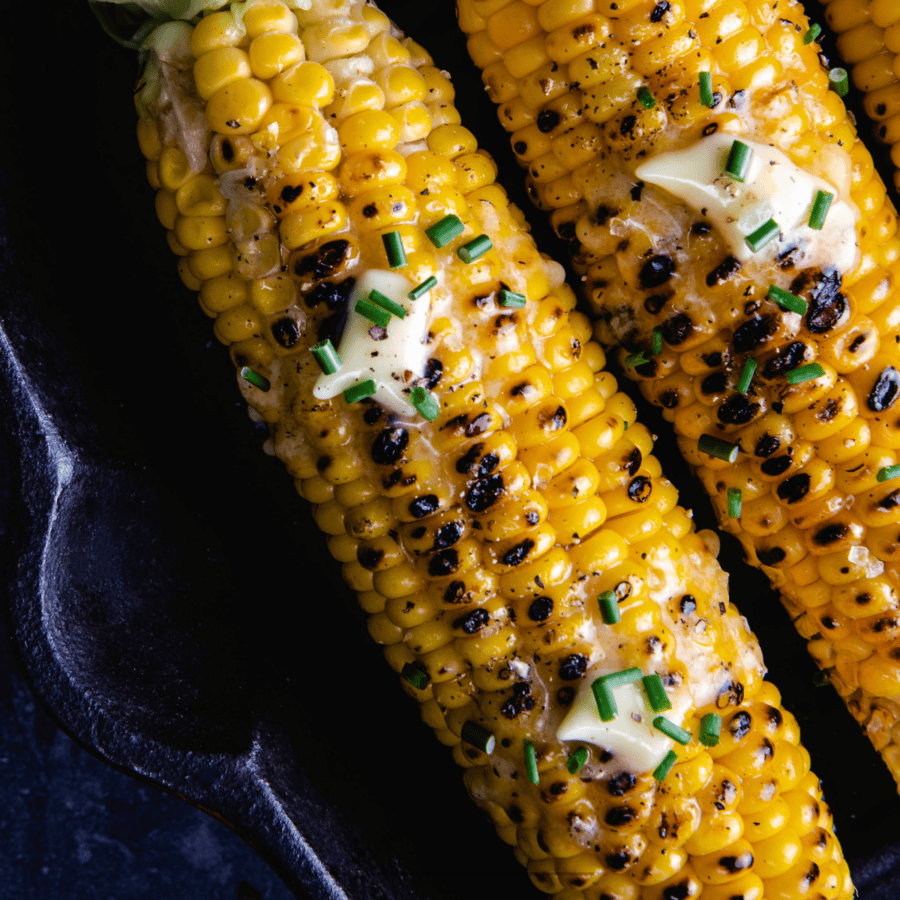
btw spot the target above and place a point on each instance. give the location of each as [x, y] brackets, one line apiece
[839, 81]
[710, 728]
[326, 356]
[820, 208]
[663, 769]
[765, 234]
[359, 390]
[441, 233]
[393, 247]
[414, 674]
[373, 313]
[718, 448]
[379, 299]
[531, 762]
[706, 92]
[814, 31]
[510, 299]
[656, 340]
[637, 359]
[670, 729]
[734, 503]
[738, 161]
[787, 300]
[478, 736]
[646, 98]
[577, 760]
[603, 697]
[656, 693]
[477, 247]
[746, 376]
[257, 380]
[609, 608]
[425, 402]
[888, 473]
[805, 373]
[423, 288]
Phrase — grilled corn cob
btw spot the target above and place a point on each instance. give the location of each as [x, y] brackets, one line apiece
[485, 492]
[788, 352]
[869, 41]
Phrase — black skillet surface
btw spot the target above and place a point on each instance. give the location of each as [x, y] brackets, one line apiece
[168, 595]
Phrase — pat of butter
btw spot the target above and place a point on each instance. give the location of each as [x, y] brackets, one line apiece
[391, 356]
[630, 737]
[773, 188]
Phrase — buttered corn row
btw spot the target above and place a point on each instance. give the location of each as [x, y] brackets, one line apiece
[499, 513]
[772, 346]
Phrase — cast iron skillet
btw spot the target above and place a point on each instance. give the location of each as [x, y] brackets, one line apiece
[169, 597]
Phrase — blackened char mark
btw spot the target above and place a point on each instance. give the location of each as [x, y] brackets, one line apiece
[388, 447]
[323, 262]
[444, 562]
[656, 271]
[484, 493]
[795, 488]
[884, 391]
[766, 445]
[286, 332]
[677, 329]
[737, 410]
[778, 465]
[754, 333]
[723, 271]
[828, 307]
[788, 358]
[423, 506]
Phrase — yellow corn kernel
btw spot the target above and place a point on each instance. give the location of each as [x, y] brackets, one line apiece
[239, 107]
[200, 196]
[215, 31]
[306, 84]
[223, 292]
[307, 225]
[274, 52]
[219, 68]
[268, 15]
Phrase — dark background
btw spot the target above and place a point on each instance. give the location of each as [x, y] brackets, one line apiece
[79, 235]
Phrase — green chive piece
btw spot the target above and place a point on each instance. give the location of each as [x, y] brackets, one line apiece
[423, 288]
[656, 340]
[373, 313]
[734, 503]
[358, 391]
[257, 380]
[738, 161]
[425, 403]
[805, 373]
[888, 473]
[646, 98]
[670, 729]
[706, 92]
[765, 234]
[603, 697]
[510, 299]
[414, 674]
[468, 253]
[577, 760]
[839, 81]
[531, 762]
[624, 676]
[787, 300]
[478, 736]
[820, 208]
[393, 247]
[326, 356]
[609, 608]
[656, 693]
[710, 727]
[663, 769]
[441, 233]
[718, 448]
[394, 309]
[637, 359]
[814, 31]
[746, 376]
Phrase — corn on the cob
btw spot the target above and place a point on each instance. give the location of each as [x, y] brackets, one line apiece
[286, 149]
[817, 427]
[869, 41]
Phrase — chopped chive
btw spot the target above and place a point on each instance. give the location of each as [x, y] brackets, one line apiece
[425, 403]
[478, 736]
[422, 288]
[257, 380]
[476, 247]
[394, 309]
[663, 769]
[670, 729]
[326, 356]
[414, 674]
[577, 760]
[609, 608]
[603, 697]
[441, 233]
[510, 299]
[734, 503]
[656, 693]
[646, 98]
[839, 81]
[820, 208]
[787, 300]
[706, 92]
[373, 313]
[738, 161]
[656, 340]
[637, 359]
[714, 446]
[814, 31]
[746, 376]
[710, 727]
[805, 373]
[888, 473]
[531, 762]
[765, 234]
[358, 391]
[623, 676]
[393, 246]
